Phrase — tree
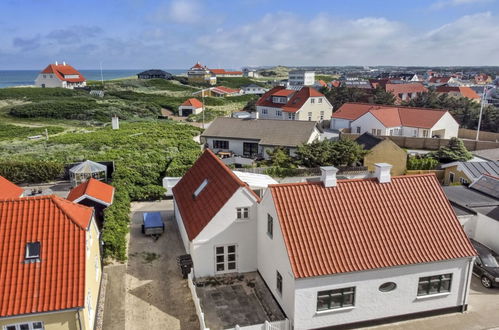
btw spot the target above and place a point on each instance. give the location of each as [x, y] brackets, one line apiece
[381, 96]
[323, 153]
[453, 151]
[250, 106]
[338, 96]
[279, 157]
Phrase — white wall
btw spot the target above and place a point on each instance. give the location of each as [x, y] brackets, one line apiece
[236, 146]
[370, 303]
[487, 231]
[337, 123]
[272, 113]
[367, 122]
[302, 114]
[224, 229]
[181, 227]
[50, 80]
[448, 123]
[195, 111]
[468, 222]
[272, 256]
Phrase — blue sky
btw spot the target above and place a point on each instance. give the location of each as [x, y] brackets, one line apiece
[140, 34]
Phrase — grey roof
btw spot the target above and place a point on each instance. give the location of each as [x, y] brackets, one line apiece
[288, 133]
[470, 199]
[489, 154]
[478, 168]
[368, 140]
[487, 185]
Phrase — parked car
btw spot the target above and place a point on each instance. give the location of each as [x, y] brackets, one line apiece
[486, 265]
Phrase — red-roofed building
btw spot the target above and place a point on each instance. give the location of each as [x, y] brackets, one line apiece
[9, 190]
[93, 193]
[395, 120]
[50, 264]
[216, 215]
[60, 75]
[200, 74]
[305, 103]
[461, 91]
[340, 252]
[189, 107]
[223, 73]
[405, 92]
[439, 81]
[483, 79]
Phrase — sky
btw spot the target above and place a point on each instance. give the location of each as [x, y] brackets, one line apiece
[175, 34]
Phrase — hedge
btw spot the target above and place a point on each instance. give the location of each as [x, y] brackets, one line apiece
[32, 171]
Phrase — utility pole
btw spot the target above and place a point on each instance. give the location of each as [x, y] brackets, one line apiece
[202, 111]
[484, 94]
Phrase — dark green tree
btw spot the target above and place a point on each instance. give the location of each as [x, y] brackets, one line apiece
[338, 153]
[453, 151]
[380, 96]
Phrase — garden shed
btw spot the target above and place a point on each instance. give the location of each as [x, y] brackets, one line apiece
[84, 171]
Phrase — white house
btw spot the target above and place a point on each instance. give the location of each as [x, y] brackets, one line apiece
[306, 104]
[395, 120]
[398, 252]
[60, 75]
[216, 215]
[300, 78]
[253, 138]
[191, 106]
[253, 89]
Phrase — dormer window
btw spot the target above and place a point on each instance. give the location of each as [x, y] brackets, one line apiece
[32, 250]
[200, 188]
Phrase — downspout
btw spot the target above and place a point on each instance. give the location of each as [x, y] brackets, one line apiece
[469, 269]
[78, 316]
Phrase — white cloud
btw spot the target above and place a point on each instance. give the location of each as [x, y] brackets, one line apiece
[180, 11]
[441, 4]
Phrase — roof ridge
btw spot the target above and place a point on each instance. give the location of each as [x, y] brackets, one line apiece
[394, 106]
[58, 201]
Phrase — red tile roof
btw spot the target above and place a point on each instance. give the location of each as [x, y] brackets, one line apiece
[391, 116]
[57, 282]
[199, 66]
[9, 189]
[217, 71]
[222, 184]
[464, 91]
[439, 80]
[296, 101]
[225, 90]
[62, 70]
[405, 88]
[92, 189]
[222, 71]
[192, 102]
[362, 224]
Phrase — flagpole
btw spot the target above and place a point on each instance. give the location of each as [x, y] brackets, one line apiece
[481, 111]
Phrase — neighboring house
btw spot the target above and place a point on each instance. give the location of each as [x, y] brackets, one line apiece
[417, 78]
[155, 74]
[250, 73]
[468, 172]
[253, 138]
[190, 107]
[383, 150]
[287, 104]
[219, 73]
[219, 91]
[51, 266]
[461, 91]
[395, 120]
[300, 78]
[257, 182]
[394, 250]
[487, 154]
[405, 92]
[320, 84]
[483, 79]
[9, 190]
[362, 84]
[477, 208]
[439, 81]
[254, 89]
[216, 215]
[200, 74]
[60, 75]
[93, 193]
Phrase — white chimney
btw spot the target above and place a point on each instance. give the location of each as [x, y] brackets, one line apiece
[328, 176]
[382, 172]
[56, 63]
[63, 63]
[115, 123]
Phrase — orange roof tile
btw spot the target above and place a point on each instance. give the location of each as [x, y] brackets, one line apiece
[9, 189]
[62, 70]
[463, 90]
[405, 88]
[362, 224]
[57, 281]
[222, 184]
[192, 102]
[92, 189]
[296, 101]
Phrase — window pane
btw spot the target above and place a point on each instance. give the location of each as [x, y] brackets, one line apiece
[434, 286]
[232, 248]
[24, 326]
[231, 265]
[423, 288]
[231, 257]
[220, 258]
[37, 325]
[10, 327]
[220, 250]
[348, 299]
[220, 267]
[336, 300]
[322, 303]
[445, 287]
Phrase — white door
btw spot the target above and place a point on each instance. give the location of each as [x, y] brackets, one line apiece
[226, 259]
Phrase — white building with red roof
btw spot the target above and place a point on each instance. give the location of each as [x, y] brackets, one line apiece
[190, 106]
[60, 75]
[305, 103]
[384, 120]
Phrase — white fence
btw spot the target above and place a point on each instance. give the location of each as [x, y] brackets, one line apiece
[197, 303]
[276, 325]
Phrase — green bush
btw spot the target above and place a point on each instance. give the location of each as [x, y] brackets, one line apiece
[8, 131]
[416, 163]
[31, 171]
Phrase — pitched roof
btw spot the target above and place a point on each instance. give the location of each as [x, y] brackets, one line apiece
[475, 169]
[224, 90]
[62, 70]
[92, 189]
[363, 224]
[439, 80]
[57, 282]
[391, 116]
[192, 102]
[472, 200]
[9, 189]
[286, 133]
[222, 183]
[368, 140]
[463, 90]
[297, 98]
[405, 88]
[489, 154]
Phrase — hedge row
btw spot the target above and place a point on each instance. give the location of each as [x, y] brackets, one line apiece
[34, 171]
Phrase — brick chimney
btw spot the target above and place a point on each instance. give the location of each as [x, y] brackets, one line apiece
[328, 176]
[382, 172]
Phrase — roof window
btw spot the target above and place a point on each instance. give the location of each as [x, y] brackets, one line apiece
[32, 250]
[200, 188]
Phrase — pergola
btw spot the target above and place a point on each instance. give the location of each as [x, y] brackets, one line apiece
[86, 170]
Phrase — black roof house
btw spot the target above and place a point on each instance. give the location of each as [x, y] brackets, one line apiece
[155, 74]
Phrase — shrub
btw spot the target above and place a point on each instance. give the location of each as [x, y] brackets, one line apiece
[31, 171]
[416, 163]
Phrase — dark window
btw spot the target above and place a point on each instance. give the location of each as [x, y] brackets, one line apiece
[434, 284]
[333, 299]
[219, 144]
[279, 282]
[270, 226]
[250, 149]
[33, 250]
[387, 287]
[242, 213]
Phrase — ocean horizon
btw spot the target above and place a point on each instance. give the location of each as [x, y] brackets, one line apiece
[14, 78]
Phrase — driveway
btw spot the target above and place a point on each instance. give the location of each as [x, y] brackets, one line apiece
[156, 295]
[483, 307]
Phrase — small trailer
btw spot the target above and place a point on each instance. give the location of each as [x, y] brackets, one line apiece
[153, 224]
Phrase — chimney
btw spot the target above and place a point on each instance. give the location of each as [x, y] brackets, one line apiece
[382, 172]
[56, 63]
[115, 123]
[328, 176]
[63, 63]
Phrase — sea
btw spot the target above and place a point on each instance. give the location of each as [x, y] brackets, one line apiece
[11, 78]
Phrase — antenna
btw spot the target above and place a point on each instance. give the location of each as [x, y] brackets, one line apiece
[101, 76]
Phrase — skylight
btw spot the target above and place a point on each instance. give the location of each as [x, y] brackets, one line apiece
[33, 250]
[200, 188]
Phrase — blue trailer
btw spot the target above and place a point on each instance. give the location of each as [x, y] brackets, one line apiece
[153, 225]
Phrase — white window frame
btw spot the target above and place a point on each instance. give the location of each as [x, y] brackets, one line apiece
[225, 260]
[312, 100]
[265, 112]
[278, 113]
[30, 325]
[242, 213]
